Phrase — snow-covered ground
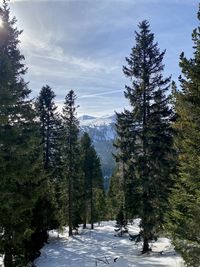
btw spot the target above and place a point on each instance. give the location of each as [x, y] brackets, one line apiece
[100, 247]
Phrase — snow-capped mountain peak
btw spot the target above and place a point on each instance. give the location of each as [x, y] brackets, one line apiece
[86, 117]
[102, 133]
[91, 121]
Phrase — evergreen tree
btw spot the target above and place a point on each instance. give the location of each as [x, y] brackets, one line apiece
[147, 126]
[51, 130]
[20, 168]
[87, 166]
[115, 197]
[71, 157]
[121, 222]
[97, 191]
[100, 206]
[185, 201]
[125, 144]
[50, 125]
[93, 180]
[46, 214]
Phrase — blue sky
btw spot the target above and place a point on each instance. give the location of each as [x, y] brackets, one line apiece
[82, 45]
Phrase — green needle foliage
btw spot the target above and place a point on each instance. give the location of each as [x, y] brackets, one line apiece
[71, 157]
[20, 162]
[145, 137]
[115, 197]
[185, 202]
[48, 212]
[94, 200]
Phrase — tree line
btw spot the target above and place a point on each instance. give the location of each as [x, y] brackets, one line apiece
[157, 176]
[50, 176]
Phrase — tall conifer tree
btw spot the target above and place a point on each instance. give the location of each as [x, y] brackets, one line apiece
[185, 201]
[93, 181]
[46, 211]
[20, 168]
[148, 125]
[50, 127]
[125, 144]
[71, 157]
[115, 197]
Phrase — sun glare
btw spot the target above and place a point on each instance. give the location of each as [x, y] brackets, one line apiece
[1, 23]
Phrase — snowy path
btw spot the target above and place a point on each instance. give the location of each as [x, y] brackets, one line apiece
[83, 250]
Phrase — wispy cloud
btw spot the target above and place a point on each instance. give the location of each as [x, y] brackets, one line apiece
[101, 94]
[81, 44]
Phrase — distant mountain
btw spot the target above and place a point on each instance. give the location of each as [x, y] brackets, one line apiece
[102, 132]
[99, 128]
[86, 118]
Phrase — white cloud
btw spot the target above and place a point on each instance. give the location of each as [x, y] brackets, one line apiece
[101, 94]
[81, 44]
[43, 45]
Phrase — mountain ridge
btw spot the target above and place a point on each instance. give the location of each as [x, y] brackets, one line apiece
[102, 133]
[87, 120]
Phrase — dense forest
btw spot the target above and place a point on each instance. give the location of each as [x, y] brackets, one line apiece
[50, 173]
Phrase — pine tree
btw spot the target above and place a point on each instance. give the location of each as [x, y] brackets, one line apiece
[97, 190]
[87, 171]
[100, 206]
[20, 168]
[147, 126]
[125, 144]
[115, 197]
[51, 134]
[121, 222]
[50, 125]
[185, 201]
[93, 181]
[46, 214]
[71, 156]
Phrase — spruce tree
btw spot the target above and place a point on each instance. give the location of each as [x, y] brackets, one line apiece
[20, 168]
[97, 190]
[51, 130]
[50, 127]
[46, 211]
[185, 200]
[93, 181]
[125, 144]
[121, 223]
[71, 157]
[115, 197]
[148, 125]
[87, 171]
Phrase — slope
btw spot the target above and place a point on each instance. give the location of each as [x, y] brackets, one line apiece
[100, 248]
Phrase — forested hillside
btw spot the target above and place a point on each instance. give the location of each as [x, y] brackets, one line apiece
[103, 133]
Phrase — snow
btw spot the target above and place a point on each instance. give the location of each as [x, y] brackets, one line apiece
[100, 247]
[99, 128]
[90, 121]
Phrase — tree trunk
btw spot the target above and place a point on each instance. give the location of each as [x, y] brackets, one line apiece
[70, 187]
[70, 207]
[85, 206]
[8, 257]
[146, 247]
[91, 211]
[46, 163]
